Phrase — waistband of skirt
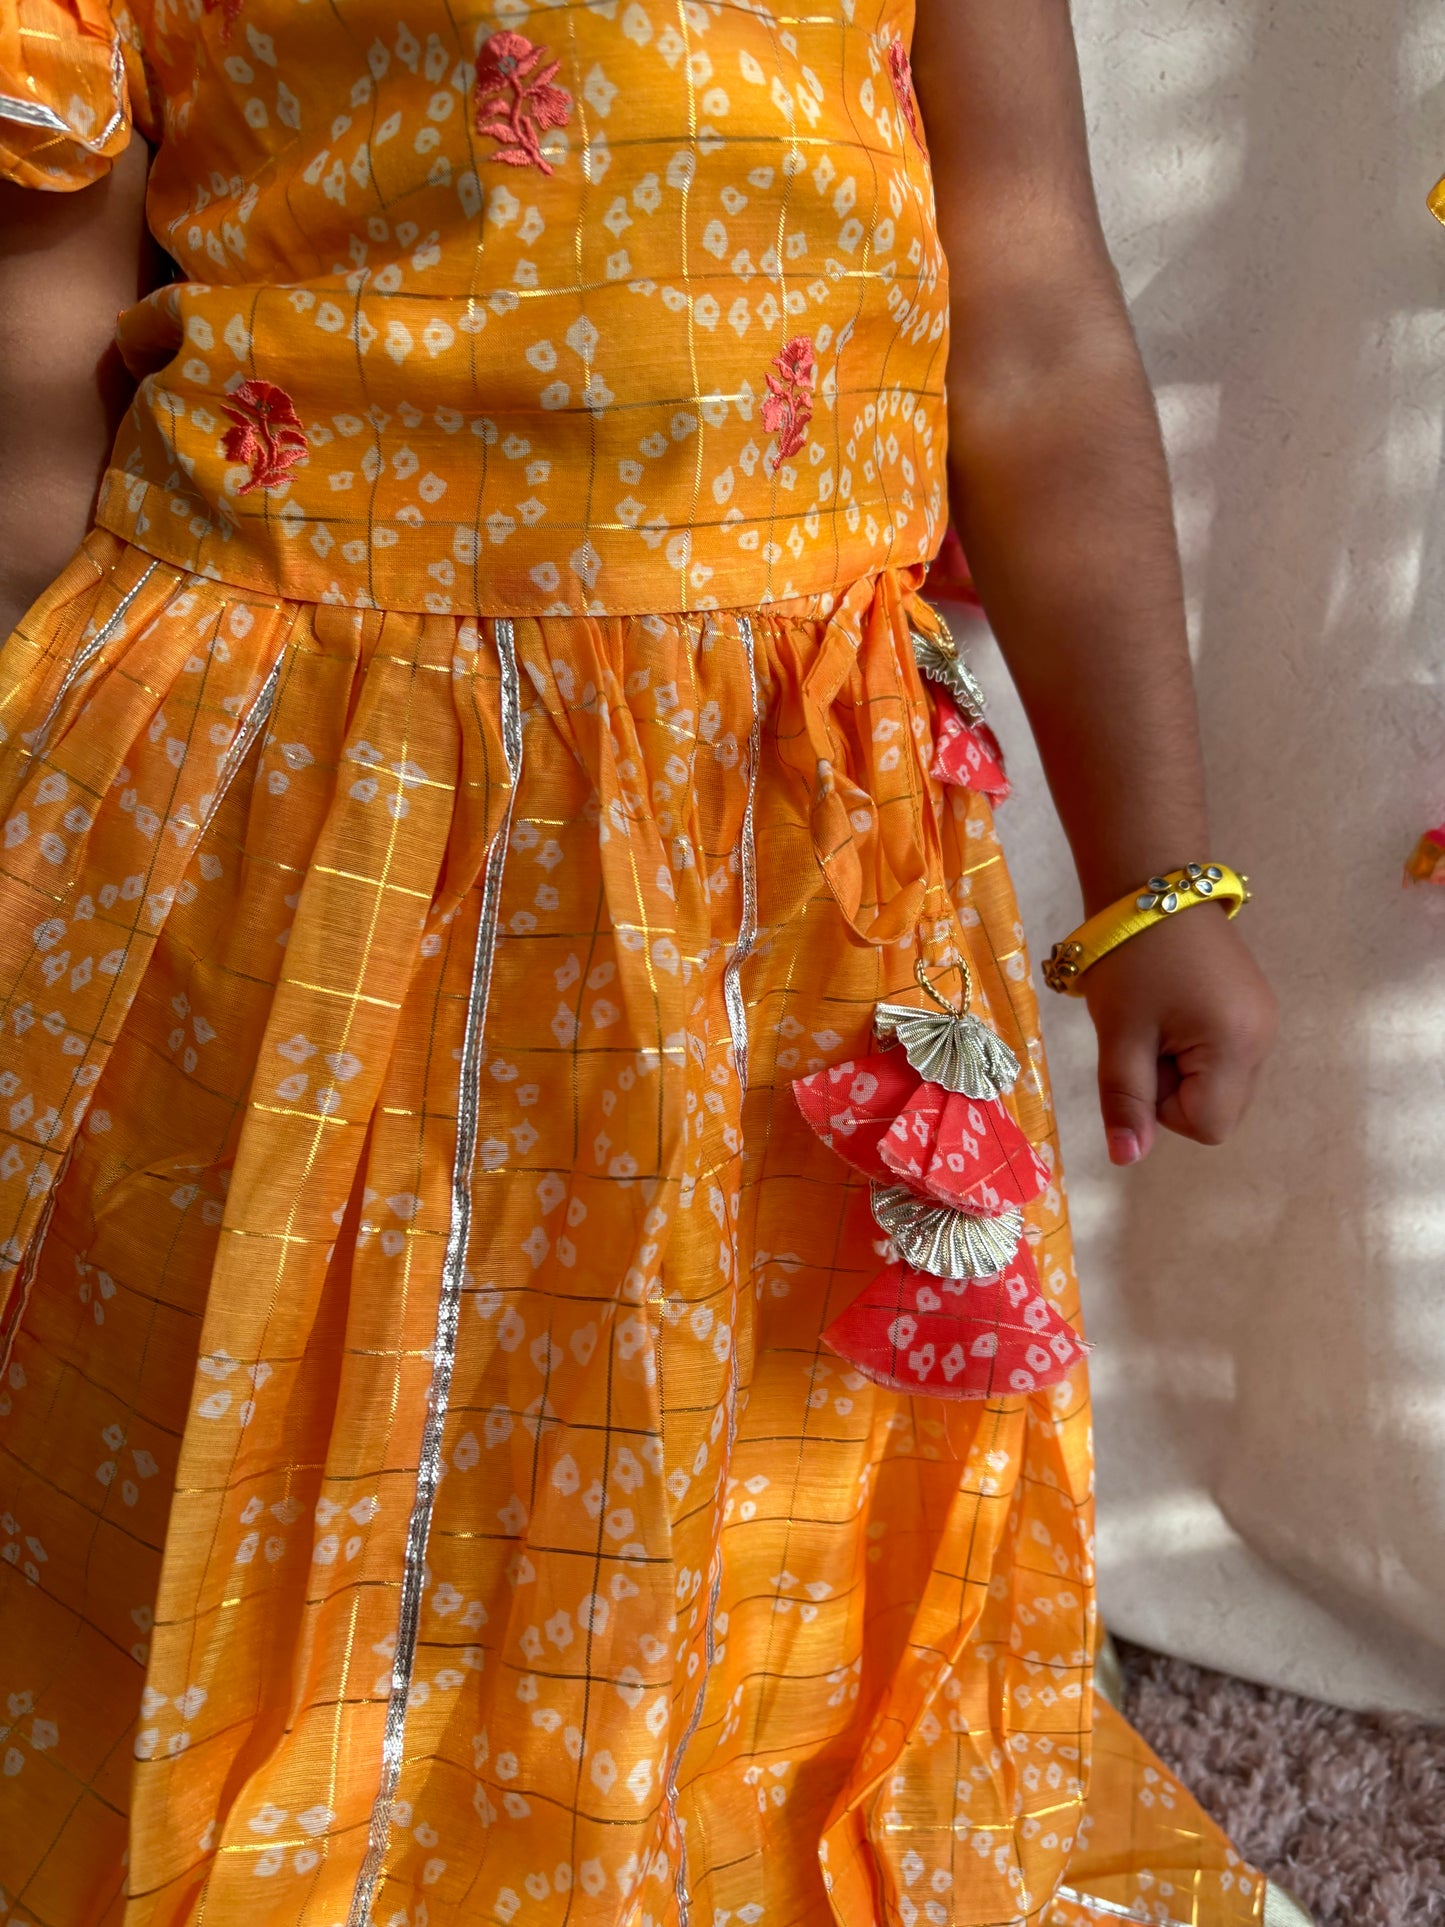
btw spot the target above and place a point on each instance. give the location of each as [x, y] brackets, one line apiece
[441, 568]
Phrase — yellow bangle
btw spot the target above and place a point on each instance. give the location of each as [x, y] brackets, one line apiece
[1161, 898]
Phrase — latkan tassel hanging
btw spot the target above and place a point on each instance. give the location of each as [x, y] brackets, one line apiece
[967, 755]
[966, 752]
[896, 1127]
[966, 1338]
[950, 1171]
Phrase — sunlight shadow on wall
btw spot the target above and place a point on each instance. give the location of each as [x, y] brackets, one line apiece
[1269, 1317]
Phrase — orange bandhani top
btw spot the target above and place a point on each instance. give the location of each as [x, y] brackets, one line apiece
[429, 1489]
[622, 307]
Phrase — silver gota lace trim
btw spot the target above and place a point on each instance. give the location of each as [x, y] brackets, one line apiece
[244, 740]
[84, 656]
[935, 662]
[1280, 1909]
[1111, 1910]
[34, 113]
[29, 1264]
[951, 1049]
[946, 1243]
[738, 1025]
[449, 1301]
[748, 863]
[242, 743]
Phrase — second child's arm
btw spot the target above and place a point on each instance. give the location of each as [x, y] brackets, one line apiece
[1061, 496]
[68, 264]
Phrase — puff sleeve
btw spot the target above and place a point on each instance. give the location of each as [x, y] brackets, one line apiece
[65, 109]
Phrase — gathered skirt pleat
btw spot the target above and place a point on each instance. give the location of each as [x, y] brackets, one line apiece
[425, 1496]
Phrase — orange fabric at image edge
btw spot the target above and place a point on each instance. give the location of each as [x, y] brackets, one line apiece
[478, 764]
[703, 1610]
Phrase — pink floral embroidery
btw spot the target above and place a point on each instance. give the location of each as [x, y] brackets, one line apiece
[788, 405]
[900, 70]
[517, 99]
[228, 10]
[267, 437]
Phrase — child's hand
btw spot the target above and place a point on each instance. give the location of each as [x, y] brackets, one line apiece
[1185, 1020]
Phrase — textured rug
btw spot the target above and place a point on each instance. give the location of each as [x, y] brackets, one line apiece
[1345, 1810]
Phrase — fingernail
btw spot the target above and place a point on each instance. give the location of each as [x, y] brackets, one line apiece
[1124, 1148]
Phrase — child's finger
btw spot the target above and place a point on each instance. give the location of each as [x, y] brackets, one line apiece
[1210, 1099]
[1128, 1091]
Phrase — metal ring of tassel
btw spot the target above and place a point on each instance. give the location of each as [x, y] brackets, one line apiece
[960, 1009]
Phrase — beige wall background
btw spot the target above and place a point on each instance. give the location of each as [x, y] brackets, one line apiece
[1270, 1318]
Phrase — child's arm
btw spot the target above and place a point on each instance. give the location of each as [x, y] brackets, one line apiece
[1062, 498]
[68, 264]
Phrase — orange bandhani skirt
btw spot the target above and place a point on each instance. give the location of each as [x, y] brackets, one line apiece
[425, 1496]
